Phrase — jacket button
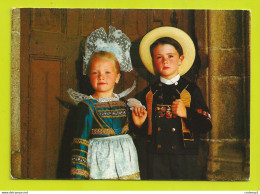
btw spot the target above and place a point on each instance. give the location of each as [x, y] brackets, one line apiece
[159, 129]
[173, 129]
[159, 146]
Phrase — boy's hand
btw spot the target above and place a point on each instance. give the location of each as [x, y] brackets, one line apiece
[139, 115]
[179, 109]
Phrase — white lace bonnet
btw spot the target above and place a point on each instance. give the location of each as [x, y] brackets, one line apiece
[115, 42]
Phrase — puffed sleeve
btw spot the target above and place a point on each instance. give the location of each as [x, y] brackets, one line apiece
[79, 169]
[198, 116]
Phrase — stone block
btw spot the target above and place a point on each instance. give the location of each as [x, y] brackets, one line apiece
[16, 19]
[225, 29]
[16, 159]
[15, 48]
[227, 107]
[15, 84]
[226, 62]
[228, 160]
[233, 150]
[248, 41]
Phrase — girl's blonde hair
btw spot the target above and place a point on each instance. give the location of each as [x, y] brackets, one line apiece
[103, 54]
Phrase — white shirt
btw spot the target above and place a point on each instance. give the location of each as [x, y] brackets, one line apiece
[174, 80]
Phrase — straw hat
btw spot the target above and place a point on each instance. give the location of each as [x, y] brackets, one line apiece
[175, 33]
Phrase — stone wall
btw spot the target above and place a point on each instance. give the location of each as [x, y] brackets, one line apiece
[228, 94]
[15, 96]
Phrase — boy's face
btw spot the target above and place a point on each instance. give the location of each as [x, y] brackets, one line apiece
[103, 76]
[166, 60]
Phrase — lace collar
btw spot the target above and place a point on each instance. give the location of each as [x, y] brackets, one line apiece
[78, 97]
[107, 99]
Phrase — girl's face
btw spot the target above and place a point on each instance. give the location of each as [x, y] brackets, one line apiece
[166, 59]
[103, 77]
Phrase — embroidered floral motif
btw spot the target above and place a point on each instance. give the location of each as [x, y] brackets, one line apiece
[164, 111]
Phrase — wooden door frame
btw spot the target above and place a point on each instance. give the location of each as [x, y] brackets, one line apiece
[24, 99]
[25, 58]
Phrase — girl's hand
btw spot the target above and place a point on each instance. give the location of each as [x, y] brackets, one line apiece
[179, 109]
[139, 115]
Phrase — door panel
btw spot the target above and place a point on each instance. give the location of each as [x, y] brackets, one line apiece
[44, 109]
[47, 20]
[93, 19]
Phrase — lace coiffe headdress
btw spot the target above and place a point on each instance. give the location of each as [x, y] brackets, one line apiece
[115, 42]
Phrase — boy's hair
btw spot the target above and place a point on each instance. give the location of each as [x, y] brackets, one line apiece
[106, 55]
[167, 40]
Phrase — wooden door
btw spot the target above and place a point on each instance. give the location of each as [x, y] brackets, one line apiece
[52, 49]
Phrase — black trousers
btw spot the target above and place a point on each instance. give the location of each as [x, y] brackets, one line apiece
[174, 167]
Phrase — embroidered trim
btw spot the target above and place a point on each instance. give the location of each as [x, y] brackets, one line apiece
[79, 159]
[114, 116]
[81, 141]
[112, 113]
[135, 176]
[162, 110]
[182, 90]
[186, 98]
[111, 104]
[79, 150]
[149, 106]
[81, 172]
[102, 131]
[132, 176]
[125, 129]
[205, 113]
[99, 118]
[79, 163]
[93, 113]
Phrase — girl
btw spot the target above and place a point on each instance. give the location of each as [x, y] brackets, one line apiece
[102, 147]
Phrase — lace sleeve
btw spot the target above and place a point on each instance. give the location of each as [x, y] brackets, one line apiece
[133, 102]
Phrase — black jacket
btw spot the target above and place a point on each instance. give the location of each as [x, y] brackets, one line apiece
[169, 133]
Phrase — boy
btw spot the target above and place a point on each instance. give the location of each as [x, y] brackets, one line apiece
[176, 112]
